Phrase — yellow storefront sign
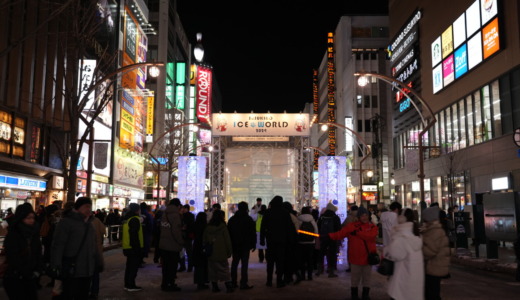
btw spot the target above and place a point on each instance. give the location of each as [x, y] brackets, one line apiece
[149, 115]
[125, 115]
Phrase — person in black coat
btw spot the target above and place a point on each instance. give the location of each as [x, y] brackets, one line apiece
[23, 255]
[328, 222]
[278, 230]
[200, 261]
[242, 230]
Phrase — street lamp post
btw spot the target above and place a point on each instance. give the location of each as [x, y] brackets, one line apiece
[427, 123]
[366, 154]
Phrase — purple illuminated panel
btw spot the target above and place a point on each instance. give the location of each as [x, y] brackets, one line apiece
[192, 177]
[332, 180]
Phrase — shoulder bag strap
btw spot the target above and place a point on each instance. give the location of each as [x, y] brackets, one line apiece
[82, 240]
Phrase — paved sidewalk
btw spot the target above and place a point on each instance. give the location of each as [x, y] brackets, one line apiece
[506, 262]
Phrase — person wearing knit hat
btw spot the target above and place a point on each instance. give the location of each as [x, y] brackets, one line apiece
[328, 222]
[75, 255]
[361, 236]
[23, 255]
[436, 252]
[361, 211]
[331, 207]
[132, 244]
[431, 214]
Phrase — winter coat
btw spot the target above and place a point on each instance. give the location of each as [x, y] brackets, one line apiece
[242, 232]
[277, 226]
[23, 251]
[407, 281]
[219, 237]
[258, 221]
[171, 230]
[388, 221]
[308, 218]
[67, 241]
[436, 249]
[358, 233]
[100, 230]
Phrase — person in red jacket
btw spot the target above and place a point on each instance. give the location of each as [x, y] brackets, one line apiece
[361, 235]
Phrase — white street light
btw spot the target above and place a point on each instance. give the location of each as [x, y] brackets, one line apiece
[370, 174]
[154, 71]
[362, 81]
[198, 51]
[324, 127]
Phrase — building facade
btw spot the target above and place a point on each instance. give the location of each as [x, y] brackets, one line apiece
[359, 43]
[463, 58]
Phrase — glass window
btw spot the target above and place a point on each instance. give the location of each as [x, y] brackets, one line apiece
[367, 101]
[359, 99]
[497, 117]
[360, 125]
[479, 126]
[469, 120]
[437, 141]
[462, 125]
[374, 101]
[486, 114]
[449, 133]
[368, 127]
[35, 144]
[455, 126]
[442, 131]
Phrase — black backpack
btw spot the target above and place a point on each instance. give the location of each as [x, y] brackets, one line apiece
[303, 237]
[326, 226]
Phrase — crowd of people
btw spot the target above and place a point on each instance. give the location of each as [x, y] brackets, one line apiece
[66, 243]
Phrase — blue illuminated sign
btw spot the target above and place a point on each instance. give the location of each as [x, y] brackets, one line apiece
[404, 105]
[461, 61]
[22, 183]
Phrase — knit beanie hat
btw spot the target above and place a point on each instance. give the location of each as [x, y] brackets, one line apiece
[431, 214]
[361, 211]
[82, 201]
[331, 207]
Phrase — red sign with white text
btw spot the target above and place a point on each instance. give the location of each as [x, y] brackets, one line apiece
[204, 88]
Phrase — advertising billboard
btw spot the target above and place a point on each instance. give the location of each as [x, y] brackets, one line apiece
[260, 124]
[491, 44]
[472, 38]
[204, 90]
[461, 61]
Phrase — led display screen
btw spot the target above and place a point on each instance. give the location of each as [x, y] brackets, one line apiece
[490, 38]
[459, 31]
[461, 61]
[448, 71]
[474, 51]
[470, 39]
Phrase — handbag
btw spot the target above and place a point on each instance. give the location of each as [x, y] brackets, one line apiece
[373, 257]
[386, 267]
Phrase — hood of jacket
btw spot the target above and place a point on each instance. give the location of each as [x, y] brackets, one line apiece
[406, 230]
[172, 209]
[305, 218]
[211, 229]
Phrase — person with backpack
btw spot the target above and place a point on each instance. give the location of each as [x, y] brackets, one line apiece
[306, 242]
[327, 223]
[260, 248]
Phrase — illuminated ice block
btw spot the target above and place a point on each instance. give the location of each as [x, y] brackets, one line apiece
[332, 181]
[192, 178]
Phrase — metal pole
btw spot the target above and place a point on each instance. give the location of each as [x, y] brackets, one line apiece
[90, 161]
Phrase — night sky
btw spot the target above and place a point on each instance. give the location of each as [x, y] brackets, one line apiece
[263, 52]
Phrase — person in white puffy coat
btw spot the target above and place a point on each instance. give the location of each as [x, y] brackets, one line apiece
[407, 281]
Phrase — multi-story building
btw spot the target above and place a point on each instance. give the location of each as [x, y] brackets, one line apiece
[358, 46]
[462, 57]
